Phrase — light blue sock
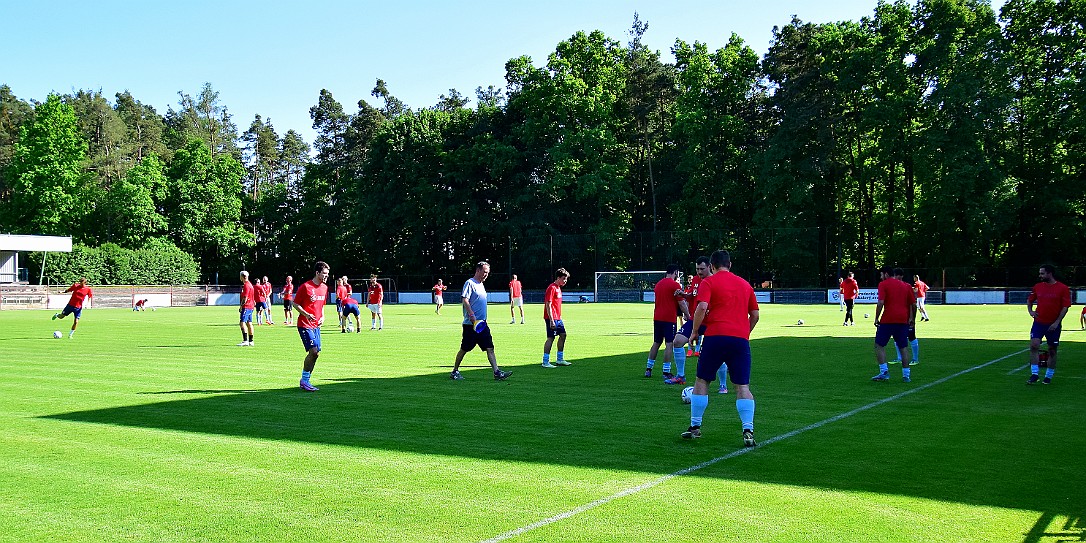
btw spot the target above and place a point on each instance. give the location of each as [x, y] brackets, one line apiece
[697, 408]
[722, 374]
[915, 344]
[651, 362]
[746, 413]
[561, 356]
[907, 372]
[71, 333]
[1034, 369]
[680, 362]
[667, 367]
[884, 368]
[1050, 372]
[305, 376]
[546, 358]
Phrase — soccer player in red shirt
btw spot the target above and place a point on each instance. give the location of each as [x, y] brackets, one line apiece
[921, 289]
[261, 297]
[850, 289]
[552, 314]
[1053, 299]
[669, 301]
[341, 294]
[439, 297]
[288, 301]
[516, 299]
[80, 292]
[894, 313]
[728, 309]
[245, 309]
[267, 300]
[309, 301]
[375, 302]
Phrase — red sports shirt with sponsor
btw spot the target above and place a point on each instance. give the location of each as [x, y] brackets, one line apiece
[259, 293]
[1050, 299]
[79, 293]
[667, 304]
[897, 299]
[730, 299]
[553, 299]
[438, 289]
[921, 289]
[341, 293]
[514, 287]
[311, 298]
[376, 292]
[288, 291]
[247, 293]
[849, 289]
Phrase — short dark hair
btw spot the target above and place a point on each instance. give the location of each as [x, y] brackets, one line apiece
[561, 272]
[1049, 268]
[320, 266]
[898, 272]
[479, 265]
[721, 259]
[702, 260]
[887, 270]
[672, 268]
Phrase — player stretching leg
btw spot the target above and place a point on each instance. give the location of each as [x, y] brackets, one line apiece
[80, 291]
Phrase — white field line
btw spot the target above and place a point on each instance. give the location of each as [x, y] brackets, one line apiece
[685, 471]
[1018, 369]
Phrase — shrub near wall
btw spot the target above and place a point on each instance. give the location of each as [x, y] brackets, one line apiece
[157, 263]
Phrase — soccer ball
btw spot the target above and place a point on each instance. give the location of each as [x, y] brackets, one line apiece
[799, 322]
[866, 315]
[350, 328]
[153, 309]
[686, 394]
[57, 334]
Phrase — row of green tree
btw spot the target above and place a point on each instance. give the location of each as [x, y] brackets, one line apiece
[928, 135]
[156, 263]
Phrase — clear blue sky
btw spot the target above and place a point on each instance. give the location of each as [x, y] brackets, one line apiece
[273, 57]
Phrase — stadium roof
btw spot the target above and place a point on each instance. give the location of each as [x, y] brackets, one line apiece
[62, 244]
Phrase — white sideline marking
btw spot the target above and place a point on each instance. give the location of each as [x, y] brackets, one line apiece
[1018, 369]
[645, 486]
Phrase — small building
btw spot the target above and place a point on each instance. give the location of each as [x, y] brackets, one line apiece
[11, 245]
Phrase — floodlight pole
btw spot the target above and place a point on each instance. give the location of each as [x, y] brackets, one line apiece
[44, 256]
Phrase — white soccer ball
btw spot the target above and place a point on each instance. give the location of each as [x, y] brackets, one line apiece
[153, 309]
[350, 328]
[799, 322]
[686, 394]
[866, 315]
[57, 334]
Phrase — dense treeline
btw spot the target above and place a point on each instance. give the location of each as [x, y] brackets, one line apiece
[931, 135]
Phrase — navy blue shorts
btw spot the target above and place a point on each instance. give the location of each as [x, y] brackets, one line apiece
[1039, 330]
[311, 337]
[246, 315]
[69, 310]
[350, 309]
[559, 328]
[719, 350]
[261, 306]
[663, 331]
[688, 327]
[288, 304]
[471, 338]
[899, 331]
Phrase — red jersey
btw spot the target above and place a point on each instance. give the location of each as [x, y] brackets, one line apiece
[259, 293]
[376, 293]
[921, 288]
[850, 289]
[311, 297]
[341, 293]
[79, 293]
[438, 289]
[1050, 299]
[730, 299]
[288, 291]
[247, 295]
[267, 290]
[897, 299]
[667, 302]
[349, 300]
[553, 299]
[514, 287]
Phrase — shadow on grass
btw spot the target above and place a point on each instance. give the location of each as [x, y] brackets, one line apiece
[981, 438]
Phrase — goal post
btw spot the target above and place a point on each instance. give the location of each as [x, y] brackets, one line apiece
[625, 286]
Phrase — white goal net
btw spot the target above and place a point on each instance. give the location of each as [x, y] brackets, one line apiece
[627, 286]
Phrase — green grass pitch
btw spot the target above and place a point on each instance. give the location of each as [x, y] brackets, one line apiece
[154, 427]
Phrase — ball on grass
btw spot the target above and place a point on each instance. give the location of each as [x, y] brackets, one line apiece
[866, 315]
[57, 334]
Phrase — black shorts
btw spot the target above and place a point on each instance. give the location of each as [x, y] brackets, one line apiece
[471, 338]
[663, 332]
